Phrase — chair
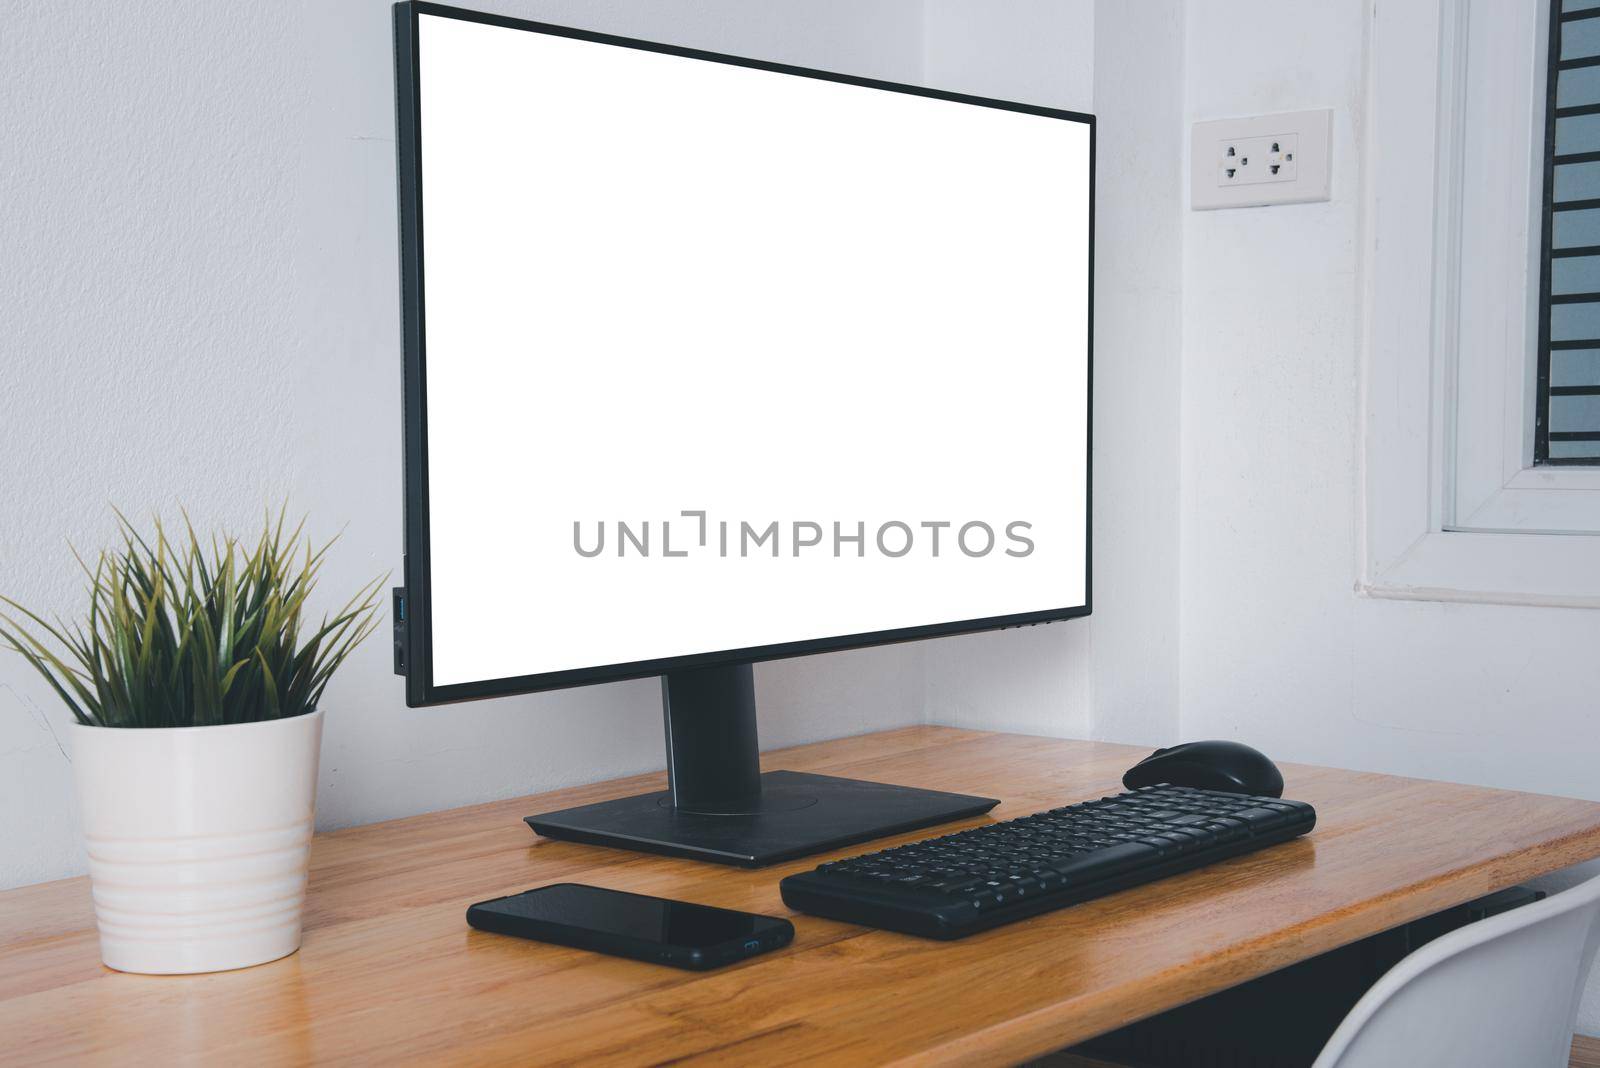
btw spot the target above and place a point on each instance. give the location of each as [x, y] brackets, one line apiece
[1502, 991]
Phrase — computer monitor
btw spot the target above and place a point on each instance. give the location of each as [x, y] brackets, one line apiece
[710, 361]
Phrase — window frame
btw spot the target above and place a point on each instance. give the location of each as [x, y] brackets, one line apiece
[1455, 507]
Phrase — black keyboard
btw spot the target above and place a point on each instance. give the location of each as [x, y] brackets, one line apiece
[1003, 872]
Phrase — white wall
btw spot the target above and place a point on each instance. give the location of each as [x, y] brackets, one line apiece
[1276, 647]
[200, 304]
[1138, 354]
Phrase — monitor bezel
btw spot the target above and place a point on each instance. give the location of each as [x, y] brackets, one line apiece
[414, 636]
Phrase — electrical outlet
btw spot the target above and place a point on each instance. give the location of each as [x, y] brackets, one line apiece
[1269, 159]
[1251, 160]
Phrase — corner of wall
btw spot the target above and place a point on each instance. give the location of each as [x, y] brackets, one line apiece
[1138, 97]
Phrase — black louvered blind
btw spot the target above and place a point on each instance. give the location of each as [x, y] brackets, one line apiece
[1568, 416]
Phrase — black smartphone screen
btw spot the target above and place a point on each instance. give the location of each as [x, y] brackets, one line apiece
[647, 928]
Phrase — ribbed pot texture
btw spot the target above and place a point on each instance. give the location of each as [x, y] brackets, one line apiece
[198, 840]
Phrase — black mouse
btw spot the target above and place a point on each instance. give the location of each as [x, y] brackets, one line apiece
[1230, 766]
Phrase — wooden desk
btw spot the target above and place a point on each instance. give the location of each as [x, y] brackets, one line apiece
[390, 971]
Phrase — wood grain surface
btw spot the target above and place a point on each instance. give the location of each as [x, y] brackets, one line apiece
[390, 972]
[1585, 1052]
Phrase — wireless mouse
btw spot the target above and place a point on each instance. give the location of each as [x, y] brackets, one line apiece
[1214, 765]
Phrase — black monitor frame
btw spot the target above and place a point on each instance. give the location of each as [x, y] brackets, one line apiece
[412, 608]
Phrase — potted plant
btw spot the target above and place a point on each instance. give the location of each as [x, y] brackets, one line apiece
[197, 736]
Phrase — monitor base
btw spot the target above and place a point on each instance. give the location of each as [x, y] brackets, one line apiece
[798, 814]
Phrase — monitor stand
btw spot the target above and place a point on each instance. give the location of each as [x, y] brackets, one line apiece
[720, 807]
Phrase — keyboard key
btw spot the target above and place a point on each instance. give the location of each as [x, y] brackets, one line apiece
[1102, 863]
[1263, 818]
[956, 886]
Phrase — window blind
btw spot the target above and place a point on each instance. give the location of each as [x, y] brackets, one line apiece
[1567, 419]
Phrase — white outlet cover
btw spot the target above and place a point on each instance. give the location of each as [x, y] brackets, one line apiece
[1306, 135]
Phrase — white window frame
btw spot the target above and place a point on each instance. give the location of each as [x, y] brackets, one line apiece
[1454, 508]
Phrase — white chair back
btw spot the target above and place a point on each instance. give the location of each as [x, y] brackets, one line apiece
[1503, 991]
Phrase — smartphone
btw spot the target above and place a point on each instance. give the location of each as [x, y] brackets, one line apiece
[697, 937]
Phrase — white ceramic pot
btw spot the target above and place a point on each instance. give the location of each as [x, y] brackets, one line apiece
[198, 840]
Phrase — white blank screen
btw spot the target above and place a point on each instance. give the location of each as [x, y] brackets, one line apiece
[658, 285]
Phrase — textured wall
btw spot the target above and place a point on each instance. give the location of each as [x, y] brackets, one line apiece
[1277, 648]
[199, 303]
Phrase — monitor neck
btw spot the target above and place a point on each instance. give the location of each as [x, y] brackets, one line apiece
[713, 759]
